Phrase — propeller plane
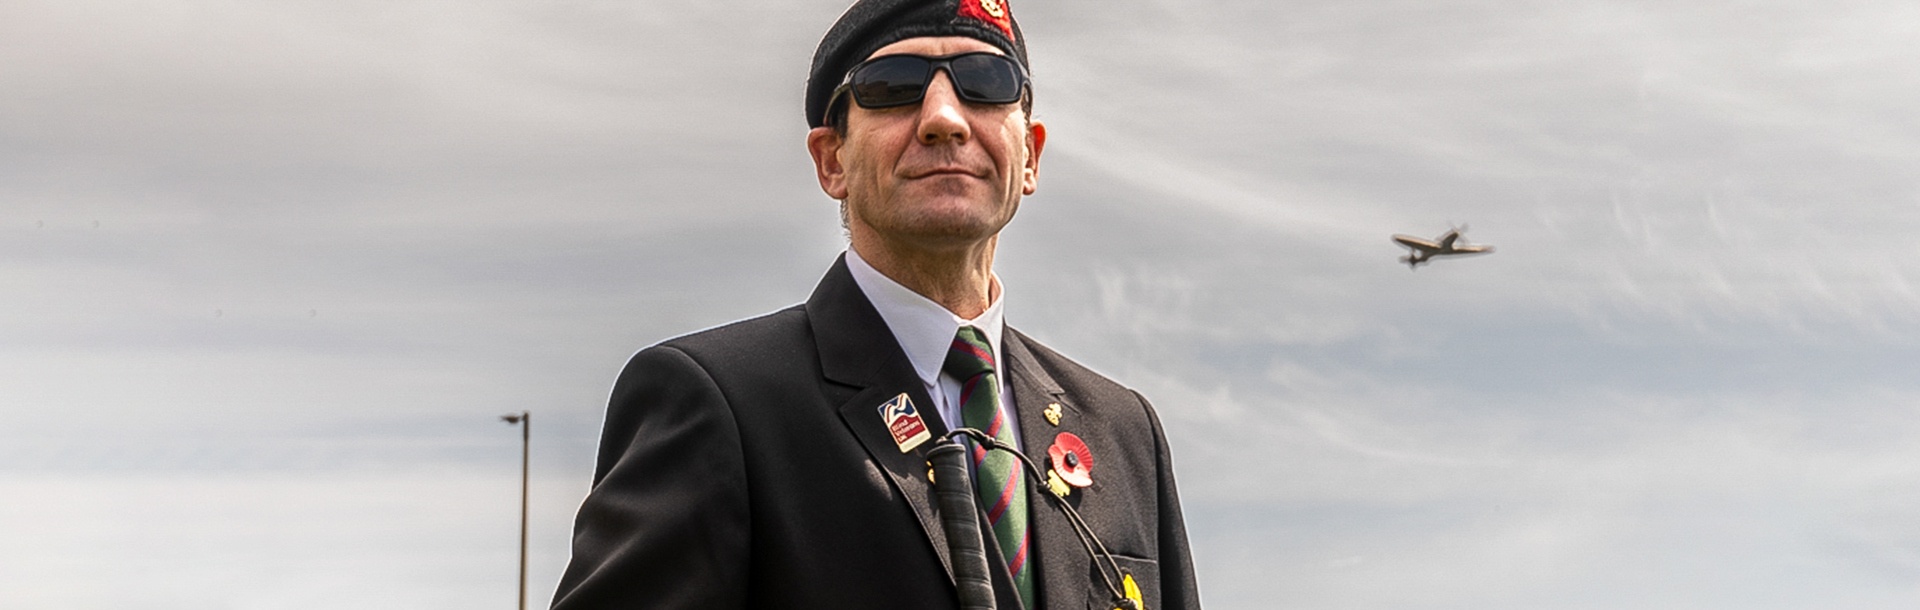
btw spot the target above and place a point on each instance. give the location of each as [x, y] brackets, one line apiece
[1449, 244]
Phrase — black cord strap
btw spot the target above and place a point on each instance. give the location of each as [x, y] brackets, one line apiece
[1088, 539]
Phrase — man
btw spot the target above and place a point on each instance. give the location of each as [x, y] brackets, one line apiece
[781, 461]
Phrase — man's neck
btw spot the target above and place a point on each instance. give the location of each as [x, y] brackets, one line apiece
[959, 279]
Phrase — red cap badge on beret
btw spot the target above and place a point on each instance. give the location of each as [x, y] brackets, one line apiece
[1072, 459]
[991, 11]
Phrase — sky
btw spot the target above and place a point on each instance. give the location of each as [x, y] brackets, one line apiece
[275, 269]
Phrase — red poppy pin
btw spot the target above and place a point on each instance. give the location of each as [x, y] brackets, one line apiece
[1072, 460]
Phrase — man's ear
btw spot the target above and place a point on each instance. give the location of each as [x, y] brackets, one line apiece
[823, 143]
[1030, 174]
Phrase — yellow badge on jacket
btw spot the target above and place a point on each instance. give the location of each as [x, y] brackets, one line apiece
[1132, 591]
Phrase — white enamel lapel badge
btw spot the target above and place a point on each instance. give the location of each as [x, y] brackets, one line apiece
[903, 421]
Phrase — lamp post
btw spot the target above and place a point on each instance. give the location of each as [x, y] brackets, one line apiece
[525, 420]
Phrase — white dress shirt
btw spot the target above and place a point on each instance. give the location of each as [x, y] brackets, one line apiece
[925, 331]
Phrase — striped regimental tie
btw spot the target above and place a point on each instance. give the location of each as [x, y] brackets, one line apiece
[997, 477]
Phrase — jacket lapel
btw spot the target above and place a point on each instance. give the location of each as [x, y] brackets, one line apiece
[1057, 552]
[858, 350]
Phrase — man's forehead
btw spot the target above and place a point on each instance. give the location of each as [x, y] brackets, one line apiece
[936, 45]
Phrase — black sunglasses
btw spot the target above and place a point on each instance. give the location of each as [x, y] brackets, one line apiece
[899, 80]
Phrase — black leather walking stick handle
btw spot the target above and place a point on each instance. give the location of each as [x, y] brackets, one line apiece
[960, 518]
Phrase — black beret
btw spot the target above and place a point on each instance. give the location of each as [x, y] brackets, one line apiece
[871, 24]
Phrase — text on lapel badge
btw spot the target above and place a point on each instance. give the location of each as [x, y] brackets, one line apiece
[904, 423]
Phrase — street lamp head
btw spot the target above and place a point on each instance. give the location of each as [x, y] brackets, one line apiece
[511, 419]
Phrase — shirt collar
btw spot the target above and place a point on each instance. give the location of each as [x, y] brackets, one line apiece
[924, 329]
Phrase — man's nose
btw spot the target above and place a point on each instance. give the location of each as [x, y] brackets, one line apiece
[942, 114]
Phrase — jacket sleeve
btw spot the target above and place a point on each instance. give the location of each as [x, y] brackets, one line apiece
[666, 522]
[1178, 589]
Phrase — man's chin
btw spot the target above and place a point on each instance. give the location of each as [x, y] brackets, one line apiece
[939, 231]
[960, 187]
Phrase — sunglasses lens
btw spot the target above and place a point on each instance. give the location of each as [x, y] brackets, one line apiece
[986, 78]
[891, 81]
[898, 80]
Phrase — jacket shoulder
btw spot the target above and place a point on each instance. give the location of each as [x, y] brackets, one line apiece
[745, 340]
[774, 348]
[1067, 372]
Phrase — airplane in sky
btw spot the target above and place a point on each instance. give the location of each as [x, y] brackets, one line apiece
[1420, 250]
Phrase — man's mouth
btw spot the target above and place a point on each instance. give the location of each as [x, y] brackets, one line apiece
[942, 171]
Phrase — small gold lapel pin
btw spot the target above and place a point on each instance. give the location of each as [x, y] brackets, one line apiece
[1053, 413]
[1057, 486]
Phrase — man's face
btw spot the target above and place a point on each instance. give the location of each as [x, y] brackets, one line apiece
[941, 173]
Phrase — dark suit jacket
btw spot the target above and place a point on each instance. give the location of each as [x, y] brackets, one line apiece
[748, 466]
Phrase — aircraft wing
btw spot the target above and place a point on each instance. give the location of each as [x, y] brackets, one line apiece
[1472, 249]
[1416, 243]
